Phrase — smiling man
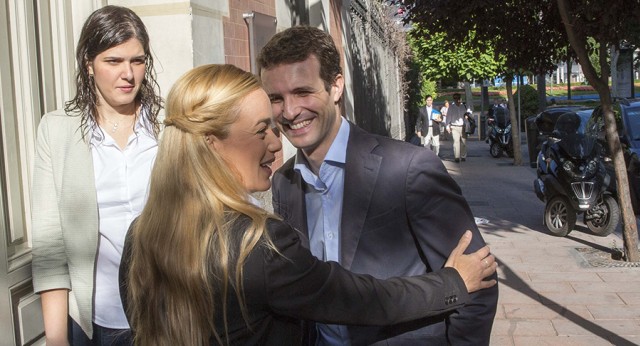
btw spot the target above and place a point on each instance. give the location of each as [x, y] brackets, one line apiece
[373, 204]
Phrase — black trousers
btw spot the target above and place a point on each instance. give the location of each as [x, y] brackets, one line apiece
[102, 336]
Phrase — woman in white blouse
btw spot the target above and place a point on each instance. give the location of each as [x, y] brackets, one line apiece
[92, 167]
[443, 111]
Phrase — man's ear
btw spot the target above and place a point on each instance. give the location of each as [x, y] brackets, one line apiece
[337, 87]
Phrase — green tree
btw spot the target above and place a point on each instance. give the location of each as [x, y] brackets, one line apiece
[609, 23]
[533, 35]
[522, 35]
[439, 57]
[528, 102]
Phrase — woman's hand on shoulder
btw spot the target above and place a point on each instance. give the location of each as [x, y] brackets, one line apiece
[474, 267]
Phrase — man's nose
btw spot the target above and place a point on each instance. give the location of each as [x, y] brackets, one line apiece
[290, 108]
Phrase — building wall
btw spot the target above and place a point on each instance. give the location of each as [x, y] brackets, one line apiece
[378, 103]
[236, 34]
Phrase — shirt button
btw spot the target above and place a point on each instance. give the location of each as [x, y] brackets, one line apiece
[330, 235]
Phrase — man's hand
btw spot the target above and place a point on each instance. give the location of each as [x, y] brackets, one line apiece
[474, 267]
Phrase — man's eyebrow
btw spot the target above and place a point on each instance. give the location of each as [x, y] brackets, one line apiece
[303, 89]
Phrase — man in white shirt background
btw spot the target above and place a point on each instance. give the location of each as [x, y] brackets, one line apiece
[455, 126]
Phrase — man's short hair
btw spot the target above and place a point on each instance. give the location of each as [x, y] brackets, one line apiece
[456, 96]
[426, 97]
[296, 44]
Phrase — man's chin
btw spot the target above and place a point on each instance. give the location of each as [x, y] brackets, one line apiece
[300, 141]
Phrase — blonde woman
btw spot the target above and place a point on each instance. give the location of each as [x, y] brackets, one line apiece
[203, 264]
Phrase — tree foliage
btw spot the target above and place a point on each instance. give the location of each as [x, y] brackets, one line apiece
[439, 57]
[524, 33]
[612, 23]
[528, 102]
[534, 35]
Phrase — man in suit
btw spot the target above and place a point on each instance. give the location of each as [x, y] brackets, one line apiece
[375, 205]
[428, 125]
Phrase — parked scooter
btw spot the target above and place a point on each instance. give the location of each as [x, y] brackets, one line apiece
[499, 133]
[572, 178]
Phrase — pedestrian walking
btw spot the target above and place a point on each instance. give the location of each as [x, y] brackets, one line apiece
[455, 126]
[428, 125]
[443, 133]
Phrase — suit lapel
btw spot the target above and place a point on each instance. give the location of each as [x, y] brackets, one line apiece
[361, 174]
[299, 210]
[294, 210]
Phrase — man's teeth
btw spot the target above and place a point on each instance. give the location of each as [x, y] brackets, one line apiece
[300, 125]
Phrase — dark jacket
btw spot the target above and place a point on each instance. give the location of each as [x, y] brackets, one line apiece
[282, 290]
[402, 215]
[422, 124]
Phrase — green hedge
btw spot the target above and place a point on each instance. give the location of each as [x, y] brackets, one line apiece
[528, 102]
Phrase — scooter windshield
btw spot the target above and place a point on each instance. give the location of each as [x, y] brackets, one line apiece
[502, 116]
[578, 145]
[574, 137]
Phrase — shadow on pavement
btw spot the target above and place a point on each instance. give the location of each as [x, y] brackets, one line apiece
[512, 280]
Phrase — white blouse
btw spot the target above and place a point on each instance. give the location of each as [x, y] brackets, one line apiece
[122, 181]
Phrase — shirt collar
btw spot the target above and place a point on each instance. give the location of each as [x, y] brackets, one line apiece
[98, 137]
[253, 200]
[337, 152]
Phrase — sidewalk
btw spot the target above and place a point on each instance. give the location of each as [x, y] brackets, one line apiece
[551, 293]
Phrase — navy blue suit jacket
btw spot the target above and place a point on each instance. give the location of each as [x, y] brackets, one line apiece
[402, 215]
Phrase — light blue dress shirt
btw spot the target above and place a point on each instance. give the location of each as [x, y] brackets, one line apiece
[324, 214]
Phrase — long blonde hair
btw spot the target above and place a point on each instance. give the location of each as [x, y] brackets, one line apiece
[183, 249]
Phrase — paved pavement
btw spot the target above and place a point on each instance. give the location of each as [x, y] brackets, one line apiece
[550, 292]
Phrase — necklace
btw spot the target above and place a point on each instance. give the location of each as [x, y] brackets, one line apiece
[116, 125]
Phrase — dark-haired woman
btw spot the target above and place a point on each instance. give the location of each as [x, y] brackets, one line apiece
[92, 167]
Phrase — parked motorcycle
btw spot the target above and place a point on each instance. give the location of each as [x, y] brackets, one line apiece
[573, 179]
[499, 133]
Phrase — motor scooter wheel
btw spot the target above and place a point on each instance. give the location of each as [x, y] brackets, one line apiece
[559, 216]
[605, 225]
[495, 150]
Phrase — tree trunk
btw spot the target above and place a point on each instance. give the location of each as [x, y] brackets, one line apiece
[542, 92]
[485, 97]
[569, 79]
[600, 83]
[515, 131]
[468, 95]
[483, 110]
